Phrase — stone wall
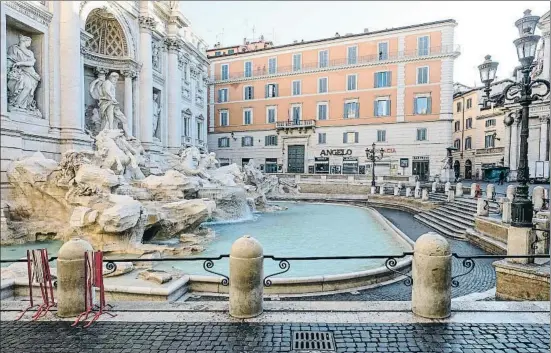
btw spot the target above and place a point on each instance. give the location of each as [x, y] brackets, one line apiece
[521, 282]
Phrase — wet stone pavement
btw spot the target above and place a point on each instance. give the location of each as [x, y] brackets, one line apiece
[118, 337]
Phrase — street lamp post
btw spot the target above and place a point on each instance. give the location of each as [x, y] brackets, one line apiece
[521, 93]
[373, 156]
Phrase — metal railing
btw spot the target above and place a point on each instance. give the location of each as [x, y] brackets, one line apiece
[290, 124]
[341, 62]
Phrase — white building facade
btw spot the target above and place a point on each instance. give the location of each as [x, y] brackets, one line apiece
[53, 50]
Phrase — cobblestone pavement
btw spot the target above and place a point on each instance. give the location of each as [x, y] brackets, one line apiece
[59, 337]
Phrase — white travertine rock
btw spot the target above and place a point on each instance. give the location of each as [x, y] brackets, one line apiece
[171, 186]
[183, 216]
[33, 169]
[95, 176]
[121, 216]
[156, 276]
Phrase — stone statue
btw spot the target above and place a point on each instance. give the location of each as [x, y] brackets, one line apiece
[109, 110]
[118, 154]
[22, 78]
[156, 58]
[156, 113]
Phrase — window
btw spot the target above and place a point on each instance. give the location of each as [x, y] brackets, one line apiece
[271, 90]
[271, 115]
[422, 105]
[352, 57]
[382, 107]
[457, 143]
[468, 143]
[469, 123]
[458, 107]
[423, 45]
[469, 103]
[247, 141]
[270, 140]
[297, 62]
[297, 114]
[248, 69]
[248, 93]
[322, 138]
[489, 141]
[322, 85]
[351, 82]
[350, 137]
[381, 135]
[271, 165]
[382, 79]
[383, 51]
[457, 126]
[322, 111]
[421, 134]
[422, 75]
[490, 122]
[225, 71]
[199, 130]
[247, 116]
[222, 95]
[217, 53]
[351, 110]
[187, 127]
[272, 66]
[231, 51]
[296, 88]
[224, 142]
[224, 121]
[323, 58]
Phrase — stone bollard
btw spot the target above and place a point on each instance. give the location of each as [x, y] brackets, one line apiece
[396, 191]
[490, 191]
[432, 272]
[417, 193]
[70, 277]
[511, 192]
[519, 242]
[246, 274]
[382, 189]
[408, 192]
[541, 221]
[458, 189]
[506, 211]
[447, 187]
[473, 190]
[482, 207]
[417, 184]
[451, 196]
[373, 190]
[537, 197]
[434, 185]
[425, 196]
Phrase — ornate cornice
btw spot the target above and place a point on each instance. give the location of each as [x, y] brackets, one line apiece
[147, 23]
[544, 119]
[113, 63]
[28, 8]
[129, 73]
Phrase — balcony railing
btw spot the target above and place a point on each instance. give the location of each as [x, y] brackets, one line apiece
[290, 124]
[342, 62]
[493, 150]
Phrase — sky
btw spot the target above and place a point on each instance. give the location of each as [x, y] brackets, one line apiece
[484, 27]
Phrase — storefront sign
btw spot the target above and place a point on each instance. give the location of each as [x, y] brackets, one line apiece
[336, 152]
[321, 159]
[390, 150]
[404, 162]
[350, 159]
[420, 158]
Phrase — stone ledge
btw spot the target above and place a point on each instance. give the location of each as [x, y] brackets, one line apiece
[522, 282]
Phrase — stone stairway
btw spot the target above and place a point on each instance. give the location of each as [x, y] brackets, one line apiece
[452, 219]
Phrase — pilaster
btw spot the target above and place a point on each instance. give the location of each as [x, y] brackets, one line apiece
[147, 24]
[401, 93]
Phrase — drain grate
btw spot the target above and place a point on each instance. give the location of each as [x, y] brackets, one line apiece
[313, 340]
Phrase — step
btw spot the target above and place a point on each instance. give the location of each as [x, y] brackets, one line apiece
[453, 213]
[469, 202]
[486, 242]
[439, 228]
[445, 221]
[452, 217]
[460, 210]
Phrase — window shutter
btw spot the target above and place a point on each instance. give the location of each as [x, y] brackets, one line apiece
[266, 90]
[388, 106]
[275, 140]
[242, 141]
[345, 111]
[375, 80]
[319, 137]
[375, 108]
[414, 106]
[266, 140]
[356, 136]
[252, 140]
[429, 105]
[344, 137]
[389, 83]
[357, 109]
[277, 90]
[252, 92]
[220, 142]
[219, 96]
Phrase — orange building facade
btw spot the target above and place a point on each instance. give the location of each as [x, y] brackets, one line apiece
[314, 107]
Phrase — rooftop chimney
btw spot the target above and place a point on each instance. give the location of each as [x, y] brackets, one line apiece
[337, 34]
[366, 30]
[244, 41]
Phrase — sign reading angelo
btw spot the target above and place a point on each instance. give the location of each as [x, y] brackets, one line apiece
[336, 152]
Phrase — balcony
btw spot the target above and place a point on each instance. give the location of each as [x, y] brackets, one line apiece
[300, 126]
[492, 150]
[342, 63]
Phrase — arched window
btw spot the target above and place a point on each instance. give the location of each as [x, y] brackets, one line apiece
[108, 35]
[457, 143]
[469, 123]
[468, 143]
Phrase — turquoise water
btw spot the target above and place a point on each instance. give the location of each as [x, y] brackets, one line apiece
[304, 229]
[19, 251]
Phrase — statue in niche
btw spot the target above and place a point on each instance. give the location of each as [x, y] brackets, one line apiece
[156, 59]
[156, 114]
[104, 91]
[22, 78]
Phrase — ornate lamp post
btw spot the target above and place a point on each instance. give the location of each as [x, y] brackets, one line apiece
[373, 156]
[521, 93]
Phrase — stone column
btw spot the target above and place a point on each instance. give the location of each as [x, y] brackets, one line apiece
[174, 87]
[70, 277]
[432, 272]
[146, 82]
[246, 275]
[544, 137]
[458, 189]
[54, 68]
[128, 111]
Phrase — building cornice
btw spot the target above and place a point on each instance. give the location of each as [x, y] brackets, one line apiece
[36, 12]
